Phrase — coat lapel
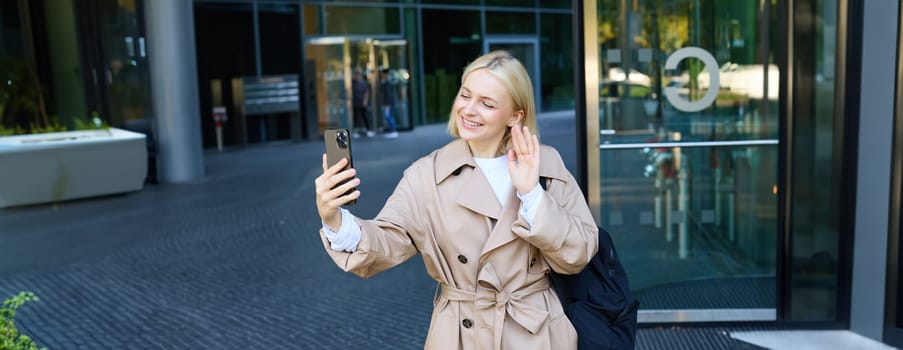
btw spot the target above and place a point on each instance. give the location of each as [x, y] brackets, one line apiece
[476, 194]
[474, 191]
[502, 234]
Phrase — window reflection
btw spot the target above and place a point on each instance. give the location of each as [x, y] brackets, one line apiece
[557, 54]
[444, 60]
[380, 20]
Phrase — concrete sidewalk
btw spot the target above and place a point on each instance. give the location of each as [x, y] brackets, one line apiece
[233, 261]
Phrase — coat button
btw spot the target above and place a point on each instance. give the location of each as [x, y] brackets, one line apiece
[462, 259]
[467, 323]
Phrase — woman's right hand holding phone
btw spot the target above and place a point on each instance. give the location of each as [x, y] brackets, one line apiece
[331, 187]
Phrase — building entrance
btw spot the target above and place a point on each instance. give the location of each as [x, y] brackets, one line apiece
[682, 157]
[716, 155]
[332, 66]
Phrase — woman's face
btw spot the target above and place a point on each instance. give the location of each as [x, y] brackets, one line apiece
[484, 110]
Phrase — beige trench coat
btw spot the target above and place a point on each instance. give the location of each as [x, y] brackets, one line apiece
[491, 265]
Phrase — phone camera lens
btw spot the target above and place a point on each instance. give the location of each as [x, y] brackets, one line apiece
[341, 139]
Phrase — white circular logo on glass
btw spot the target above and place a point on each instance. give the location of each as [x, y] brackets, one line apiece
[714, 85]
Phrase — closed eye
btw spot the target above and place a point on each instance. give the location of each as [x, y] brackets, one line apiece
[464, 92]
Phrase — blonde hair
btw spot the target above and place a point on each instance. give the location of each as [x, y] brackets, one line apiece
[513, 76]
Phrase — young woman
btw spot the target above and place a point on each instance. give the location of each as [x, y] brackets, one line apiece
[474, 210]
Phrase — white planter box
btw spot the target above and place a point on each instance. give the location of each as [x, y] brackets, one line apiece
[41, 168]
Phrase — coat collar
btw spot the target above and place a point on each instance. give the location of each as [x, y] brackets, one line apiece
[475, 193]
[456, 154]
[451, 157]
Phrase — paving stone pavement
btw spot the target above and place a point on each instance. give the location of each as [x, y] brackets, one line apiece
[232, 261]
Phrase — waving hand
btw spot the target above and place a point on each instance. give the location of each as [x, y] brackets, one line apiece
[523, 159]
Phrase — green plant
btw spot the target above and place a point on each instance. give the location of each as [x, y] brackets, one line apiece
[4, 131]
[21, 96]
[10, 338]
[53, 126]
[94, 123]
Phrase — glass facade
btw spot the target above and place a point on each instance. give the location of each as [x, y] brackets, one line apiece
[66, 95]
[444, 60]
[413, 36]
[19, 93]
[690, 136]
[30, 34]
[556, 44]
[425, 71]
[52, 83]
[224, 60]
[280, 40]
[510, 23]
[267, 38]
[311, 20]
[280, 55]
[447, 2]
[118, 51]
[342, 20]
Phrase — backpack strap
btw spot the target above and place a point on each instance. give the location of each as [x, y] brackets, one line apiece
[544, 182]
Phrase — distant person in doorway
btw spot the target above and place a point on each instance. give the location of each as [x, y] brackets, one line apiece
[360, 98]
[474, 210]
[387, 92]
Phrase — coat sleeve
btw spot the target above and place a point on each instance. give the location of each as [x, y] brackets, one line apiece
[563, 229]
[386, 240]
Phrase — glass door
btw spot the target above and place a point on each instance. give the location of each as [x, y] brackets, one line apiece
[332, 81]
[336, 61]
[685, 176]
[524, 49]
[391, 60]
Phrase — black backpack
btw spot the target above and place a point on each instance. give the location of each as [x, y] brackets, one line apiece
[598, 300]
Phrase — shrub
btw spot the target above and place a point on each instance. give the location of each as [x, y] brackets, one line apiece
[10, 338]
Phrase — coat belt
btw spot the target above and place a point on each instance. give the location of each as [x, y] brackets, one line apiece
[528, 316]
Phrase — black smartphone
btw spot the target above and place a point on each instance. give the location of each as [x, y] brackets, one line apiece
[338, 146]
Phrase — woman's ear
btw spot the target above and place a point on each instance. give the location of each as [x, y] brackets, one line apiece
[516, 118]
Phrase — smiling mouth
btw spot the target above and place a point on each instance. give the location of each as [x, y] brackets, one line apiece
[470, 124]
